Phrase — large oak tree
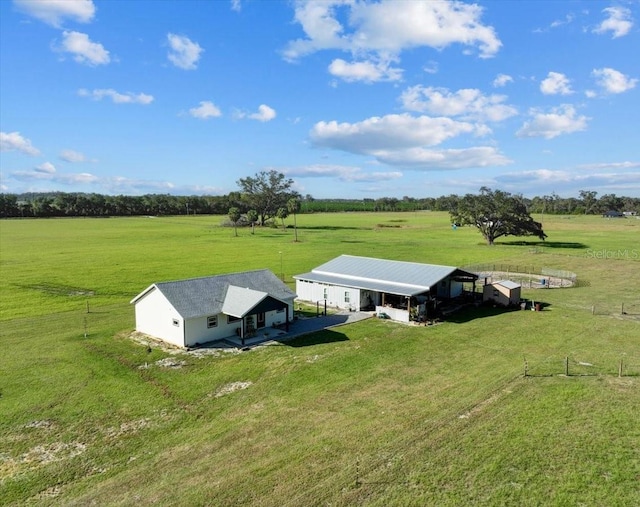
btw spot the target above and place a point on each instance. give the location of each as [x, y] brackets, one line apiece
[266, 192]
[495, 214]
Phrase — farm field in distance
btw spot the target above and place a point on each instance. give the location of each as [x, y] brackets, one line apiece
[375, 413]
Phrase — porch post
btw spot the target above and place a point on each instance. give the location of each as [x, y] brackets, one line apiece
[286, 322]
[242, 331]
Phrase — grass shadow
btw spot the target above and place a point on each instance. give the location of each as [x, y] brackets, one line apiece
[547, 244]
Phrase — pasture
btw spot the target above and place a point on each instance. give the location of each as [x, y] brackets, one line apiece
[374, 413]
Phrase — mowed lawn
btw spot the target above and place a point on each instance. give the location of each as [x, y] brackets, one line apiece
[373, 413]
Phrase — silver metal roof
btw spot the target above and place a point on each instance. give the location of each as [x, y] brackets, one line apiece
[508, 284]
[198, 297]
[382, 275]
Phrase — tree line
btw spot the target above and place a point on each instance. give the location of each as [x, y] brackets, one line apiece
[269, 194]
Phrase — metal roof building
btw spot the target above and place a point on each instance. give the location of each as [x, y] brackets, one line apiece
[360, 282]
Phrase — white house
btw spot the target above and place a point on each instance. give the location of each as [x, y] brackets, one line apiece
[400, 290]
[504, 292]
[187, 313]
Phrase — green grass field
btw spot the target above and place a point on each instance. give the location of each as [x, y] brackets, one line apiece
[375, 413]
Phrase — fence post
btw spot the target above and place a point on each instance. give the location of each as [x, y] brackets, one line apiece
[593, 309]
[566, 366]
[622, 309]
[526, 368]
[620, 369]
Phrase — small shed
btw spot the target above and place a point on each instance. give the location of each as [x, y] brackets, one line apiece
[503, 293]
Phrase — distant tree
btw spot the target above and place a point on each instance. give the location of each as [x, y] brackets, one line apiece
[266, 192]
[495, 214]
[234, 216]
[293, 206]
[588, 200]
[252, 217]
[282, 213]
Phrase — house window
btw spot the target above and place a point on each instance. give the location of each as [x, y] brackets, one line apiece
[176, 322]
[347, 297]
[231, 318]
[324, 293]
[212, 321]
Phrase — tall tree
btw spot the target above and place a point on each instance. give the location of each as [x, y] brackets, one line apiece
[266, 192]
[293, 206]
[588, 200]
[234, 216]
[495, 214]
[282, 213]
[252, 216]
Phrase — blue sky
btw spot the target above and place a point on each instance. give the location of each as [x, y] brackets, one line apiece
[350, 99]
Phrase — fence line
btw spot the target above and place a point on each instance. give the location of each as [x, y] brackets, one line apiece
[571, 367]
[526, 275]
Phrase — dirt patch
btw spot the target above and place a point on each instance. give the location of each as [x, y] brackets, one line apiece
[45, 424]
[128, 428]
[231, 388]
[170, 362]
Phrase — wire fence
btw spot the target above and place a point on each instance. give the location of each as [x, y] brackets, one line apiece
[569, 366]
[532, 277]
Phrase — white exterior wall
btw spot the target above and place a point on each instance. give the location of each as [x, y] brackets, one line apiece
[501, 295]
[394, 313]
[198, 332]
[313, 292]
[155, 316]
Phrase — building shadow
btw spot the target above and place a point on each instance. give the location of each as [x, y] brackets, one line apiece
[484, 311]
[314, 338]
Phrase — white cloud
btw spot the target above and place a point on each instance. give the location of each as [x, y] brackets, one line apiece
[431, 67]
[393, 131]
[46, 167]
[556, 83]
[570, 180]
[54, 12]
[619, 22]
[342, 173]
[366, 71]
[561, 120]
[404, 140]
[613, 81]
[386, 28]
[183, 52]
[83, 50]
[72, 156]
[264, 114]
[468, 103]
[117, 97]
[434, 160]
[10, 141]
[502, 80]
[236, 5]
[205, 110]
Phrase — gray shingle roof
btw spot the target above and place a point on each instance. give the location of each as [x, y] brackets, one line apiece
[396, 277]
[198, 297]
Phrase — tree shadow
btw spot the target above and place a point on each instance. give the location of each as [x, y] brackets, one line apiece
[332, 228]
[547, 244]
[315, 338]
